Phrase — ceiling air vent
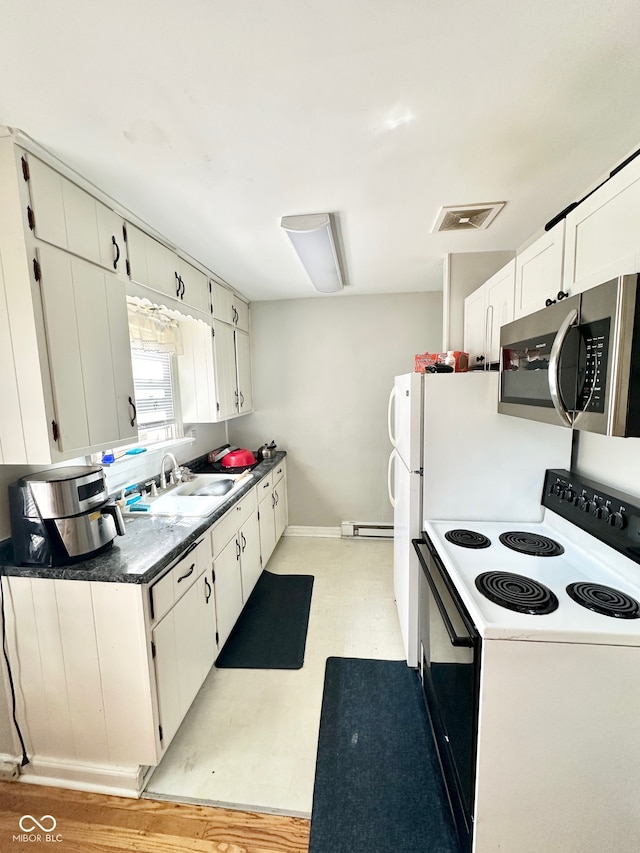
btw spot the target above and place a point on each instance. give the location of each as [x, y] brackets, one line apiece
[467, 217]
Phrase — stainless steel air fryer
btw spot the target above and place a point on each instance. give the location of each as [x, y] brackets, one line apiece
[61, 516]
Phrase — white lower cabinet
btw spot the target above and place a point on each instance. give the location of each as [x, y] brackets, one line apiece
[236, 562]
[272, 510]
[105, 672]
[183, 637]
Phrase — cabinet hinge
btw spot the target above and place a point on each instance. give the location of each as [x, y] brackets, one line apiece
[128, 266]
[55, 430]
[217, 407]
[25, 169]
[210, 290]
[213, 575]
[37, 272]
[217, 638]
[124, 233]
[151, 610]
[160, 731]
[153, 649]
[31, 219]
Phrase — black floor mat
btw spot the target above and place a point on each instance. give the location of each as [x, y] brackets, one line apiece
[378, 785]
[271, 632]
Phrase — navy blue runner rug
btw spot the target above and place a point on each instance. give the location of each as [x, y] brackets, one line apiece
[378, 785]
[271, 632]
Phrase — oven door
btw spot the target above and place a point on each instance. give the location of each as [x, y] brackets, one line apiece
[539, 362]
[450, 674]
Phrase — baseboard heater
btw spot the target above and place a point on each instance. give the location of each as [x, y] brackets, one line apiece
[366, 529]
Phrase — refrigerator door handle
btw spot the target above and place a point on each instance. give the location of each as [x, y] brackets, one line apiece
[392, 456]
[390, 410]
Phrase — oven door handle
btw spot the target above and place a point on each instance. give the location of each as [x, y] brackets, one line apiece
[456, 640]
[554, 367]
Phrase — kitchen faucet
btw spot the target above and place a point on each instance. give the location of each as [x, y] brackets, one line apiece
[163, 476]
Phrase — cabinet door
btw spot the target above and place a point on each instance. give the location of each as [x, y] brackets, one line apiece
[67, 216]
[194, 626]
[280, 508]
[196, 373]
[475, 323]
[251, 567]
[227, 589]
[267, 526]
[243, 361]
[162, 268]
[166, 667]
[539, 272]
[222, 303]
[499, 291]
[87, 338]
[240, 311]
[225, 370]
[194, 288]
[602, 239]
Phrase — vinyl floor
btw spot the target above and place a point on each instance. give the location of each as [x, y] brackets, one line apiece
[249, 740]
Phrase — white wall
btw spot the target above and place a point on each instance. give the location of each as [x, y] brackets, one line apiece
[322, 371]
[611, 461]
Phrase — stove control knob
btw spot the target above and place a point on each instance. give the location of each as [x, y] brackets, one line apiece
[583, 503]
[604, 512]
[556, 489]
[617, 520]
[568, 494]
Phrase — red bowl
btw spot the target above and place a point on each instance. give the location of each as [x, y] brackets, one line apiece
[239, 457]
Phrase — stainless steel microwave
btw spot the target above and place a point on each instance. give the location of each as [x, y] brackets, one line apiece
[577, 362]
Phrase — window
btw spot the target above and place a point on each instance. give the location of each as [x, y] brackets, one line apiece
[155, 393]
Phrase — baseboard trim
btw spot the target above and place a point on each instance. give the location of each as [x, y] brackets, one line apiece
[120, 782]
[301, 530]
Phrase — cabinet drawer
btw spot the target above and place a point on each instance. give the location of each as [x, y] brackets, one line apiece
[172, 585]
[278, 473]
[231, 521]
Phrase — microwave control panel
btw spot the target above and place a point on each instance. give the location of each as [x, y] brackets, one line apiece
[594, 359]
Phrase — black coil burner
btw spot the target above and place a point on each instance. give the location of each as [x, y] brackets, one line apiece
[517, 592]
[467, 538]
[531, 543]
[604, 600]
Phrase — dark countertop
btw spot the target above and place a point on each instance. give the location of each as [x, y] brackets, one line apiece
[149, 545]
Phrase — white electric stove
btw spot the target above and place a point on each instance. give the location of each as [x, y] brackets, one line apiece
[530, 661]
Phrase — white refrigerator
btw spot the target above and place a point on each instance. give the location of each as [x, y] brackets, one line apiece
[455, 458]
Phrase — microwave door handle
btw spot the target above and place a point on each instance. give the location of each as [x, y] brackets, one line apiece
[554, 367]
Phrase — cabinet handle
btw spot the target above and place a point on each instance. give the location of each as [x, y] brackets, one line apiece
[182, 285]
[266, 485]
[276, 496]
[135, 412]
[241, 400]
[207, 595]
[177, 277]
[237, 550]
[117, 257]
[188, 572]
[244, 542]
[273, 501]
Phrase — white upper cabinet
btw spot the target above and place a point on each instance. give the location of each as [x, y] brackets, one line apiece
[539, 272]
[603, 232]
[485, 310]
[157, 267]
[225, 370]
[243, 367]
[66, 372]
[62, 214]
[228, 307]
[85, 317]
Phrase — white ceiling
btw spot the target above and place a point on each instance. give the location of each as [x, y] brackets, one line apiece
[211, 119]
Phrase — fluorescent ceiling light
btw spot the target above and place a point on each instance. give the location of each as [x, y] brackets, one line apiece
[312, 238]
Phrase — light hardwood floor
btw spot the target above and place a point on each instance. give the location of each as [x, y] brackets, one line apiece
[96, 823]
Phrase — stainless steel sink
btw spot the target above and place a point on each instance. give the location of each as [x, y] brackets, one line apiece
[182, 499]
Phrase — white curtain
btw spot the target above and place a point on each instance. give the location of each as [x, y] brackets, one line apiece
[152, 327]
